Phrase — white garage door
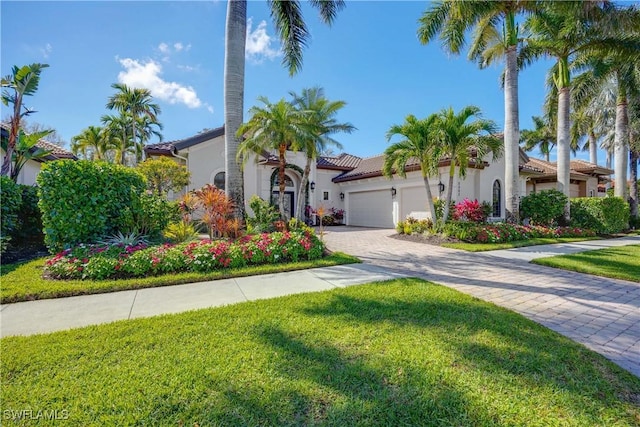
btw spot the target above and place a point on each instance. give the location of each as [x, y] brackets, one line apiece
[413, 199]
[371, 209]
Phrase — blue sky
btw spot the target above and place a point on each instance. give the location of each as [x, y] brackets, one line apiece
[370, 58]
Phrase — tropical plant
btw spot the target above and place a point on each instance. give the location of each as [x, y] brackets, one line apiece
[21, 82]
[495, 37]
[291, 27]
[137, 103]
[131, 238]
[421, 141]
[180, 232]
[264, 215]
[274, 127]
[164, 174]
[117, 132]
[542, 136]
[217, 210]
[465, 144]
[319, 117]
[26, 149]
[567, 31]
[93, 143]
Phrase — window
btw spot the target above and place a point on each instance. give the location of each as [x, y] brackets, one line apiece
[325, 195]
[218, 181]
[497, 197]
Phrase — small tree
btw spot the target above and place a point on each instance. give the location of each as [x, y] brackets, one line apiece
[164, 174]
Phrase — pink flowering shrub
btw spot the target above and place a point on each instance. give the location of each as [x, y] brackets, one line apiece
[468, 210]
[107, 262]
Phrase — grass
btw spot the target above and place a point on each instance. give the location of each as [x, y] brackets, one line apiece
[397, 353]
[481, 247]
[621, 262]
[23, 282]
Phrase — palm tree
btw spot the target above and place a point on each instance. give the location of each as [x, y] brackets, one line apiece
[465, 143]
[21, 82]
[293, 32]
[421, 141]
[273, 127]
[543, 137]
[137, 103]
[94, 141]
[319, 115]
[117, 130]
[148, 128]
[567, 31]
[496, 36]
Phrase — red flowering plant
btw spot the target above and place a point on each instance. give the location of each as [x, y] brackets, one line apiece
[89, 262]
[468, 210]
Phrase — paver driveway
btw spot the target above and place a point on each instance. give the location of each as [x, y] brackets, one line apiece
[603, 314]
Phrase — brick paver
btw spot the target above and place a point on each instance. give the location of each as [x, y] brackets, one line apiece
[603, 314]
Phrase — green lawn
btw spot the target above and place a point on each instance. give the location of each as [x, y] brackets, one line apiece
[621, 262]
[22, 282]
[481, 247]
[398, 353]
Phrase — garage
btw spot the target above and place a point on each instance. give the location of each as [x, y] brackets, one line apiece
[412, 199]
[371, 209]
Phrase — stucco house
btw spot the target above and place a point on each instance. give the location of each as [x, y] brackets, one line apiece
[357, 184]
[31, 168]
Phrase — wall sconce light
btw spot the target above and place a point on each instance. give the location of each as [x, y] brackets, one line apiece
[312, 185]
[393, 191]
[341, 196]
[441, 187]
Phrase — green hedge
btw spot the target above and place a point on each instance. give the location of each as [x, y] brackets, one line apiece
[543, 208]
[604, 215]
[11, 200]
[83, 201]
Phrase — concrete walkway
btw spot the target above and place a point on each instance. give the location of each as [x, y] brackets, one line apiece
[603, 314]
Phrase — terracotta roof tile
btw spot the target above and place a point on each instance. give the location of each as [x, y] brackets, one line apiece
[342, 162]
[57, 152]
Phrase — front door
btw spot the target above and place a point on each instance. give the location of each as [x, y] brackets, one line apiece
[288, 202]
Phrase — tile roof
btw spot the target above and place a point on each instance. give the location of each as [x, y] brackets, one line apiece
[171, 147]
[578, 168]
[343, 161]
[57, 152]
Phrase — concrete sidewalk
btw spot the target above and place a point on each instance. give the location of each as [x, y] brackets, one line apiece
[49, 315]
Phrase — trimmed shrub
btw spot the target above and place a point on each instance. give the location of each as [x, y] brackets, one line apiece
[543, 208]
[155, 213]
[82, 201]
[11, 196]
[604, 215]
[29, 216]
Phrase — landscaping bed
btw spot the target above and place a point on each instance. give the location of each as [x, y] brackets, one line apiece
[404, 352]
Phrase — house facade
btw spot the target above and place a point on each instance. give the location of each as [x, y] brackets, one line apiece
[31, 168]
[358, 186]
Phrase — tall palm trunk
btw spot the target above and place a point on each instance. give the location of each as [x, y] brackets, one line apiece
[633, 185]
[303, 186]
[281, 178]
[430, 206]
[511, 137]
[621, 147]
[234, 61]
[593, 148]
[564, 148]
[445, 212]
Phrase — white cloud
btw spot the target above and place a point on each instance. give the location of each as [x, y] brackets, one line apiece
[46, 50]
[188, 68]
[147, 75]
[258, 46]
[164, 48]
[210, 108]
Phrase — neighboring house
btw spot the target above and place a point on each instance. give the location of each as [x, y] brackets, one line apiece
[358, 186]
[586, 179]
[31, 169]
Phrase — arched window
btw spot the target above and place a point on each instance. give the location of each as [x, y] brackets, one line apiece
[218, 180]
[497, 197]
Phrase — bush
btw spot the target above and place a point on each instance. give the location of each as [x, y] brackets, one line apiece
[414, 226]
[82, 201]
[264, 215]
[11, 196]
[543, 208]
[29, 216]
[468, 210]
[120, 261]
[180, 232]
[461, 230]
[602, 214]
[155, 213]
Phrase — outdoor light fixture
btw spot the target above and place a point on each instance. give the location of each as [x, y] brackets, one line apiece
[312, 185]
[393, 191]
[341, 196]
[441, 187]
